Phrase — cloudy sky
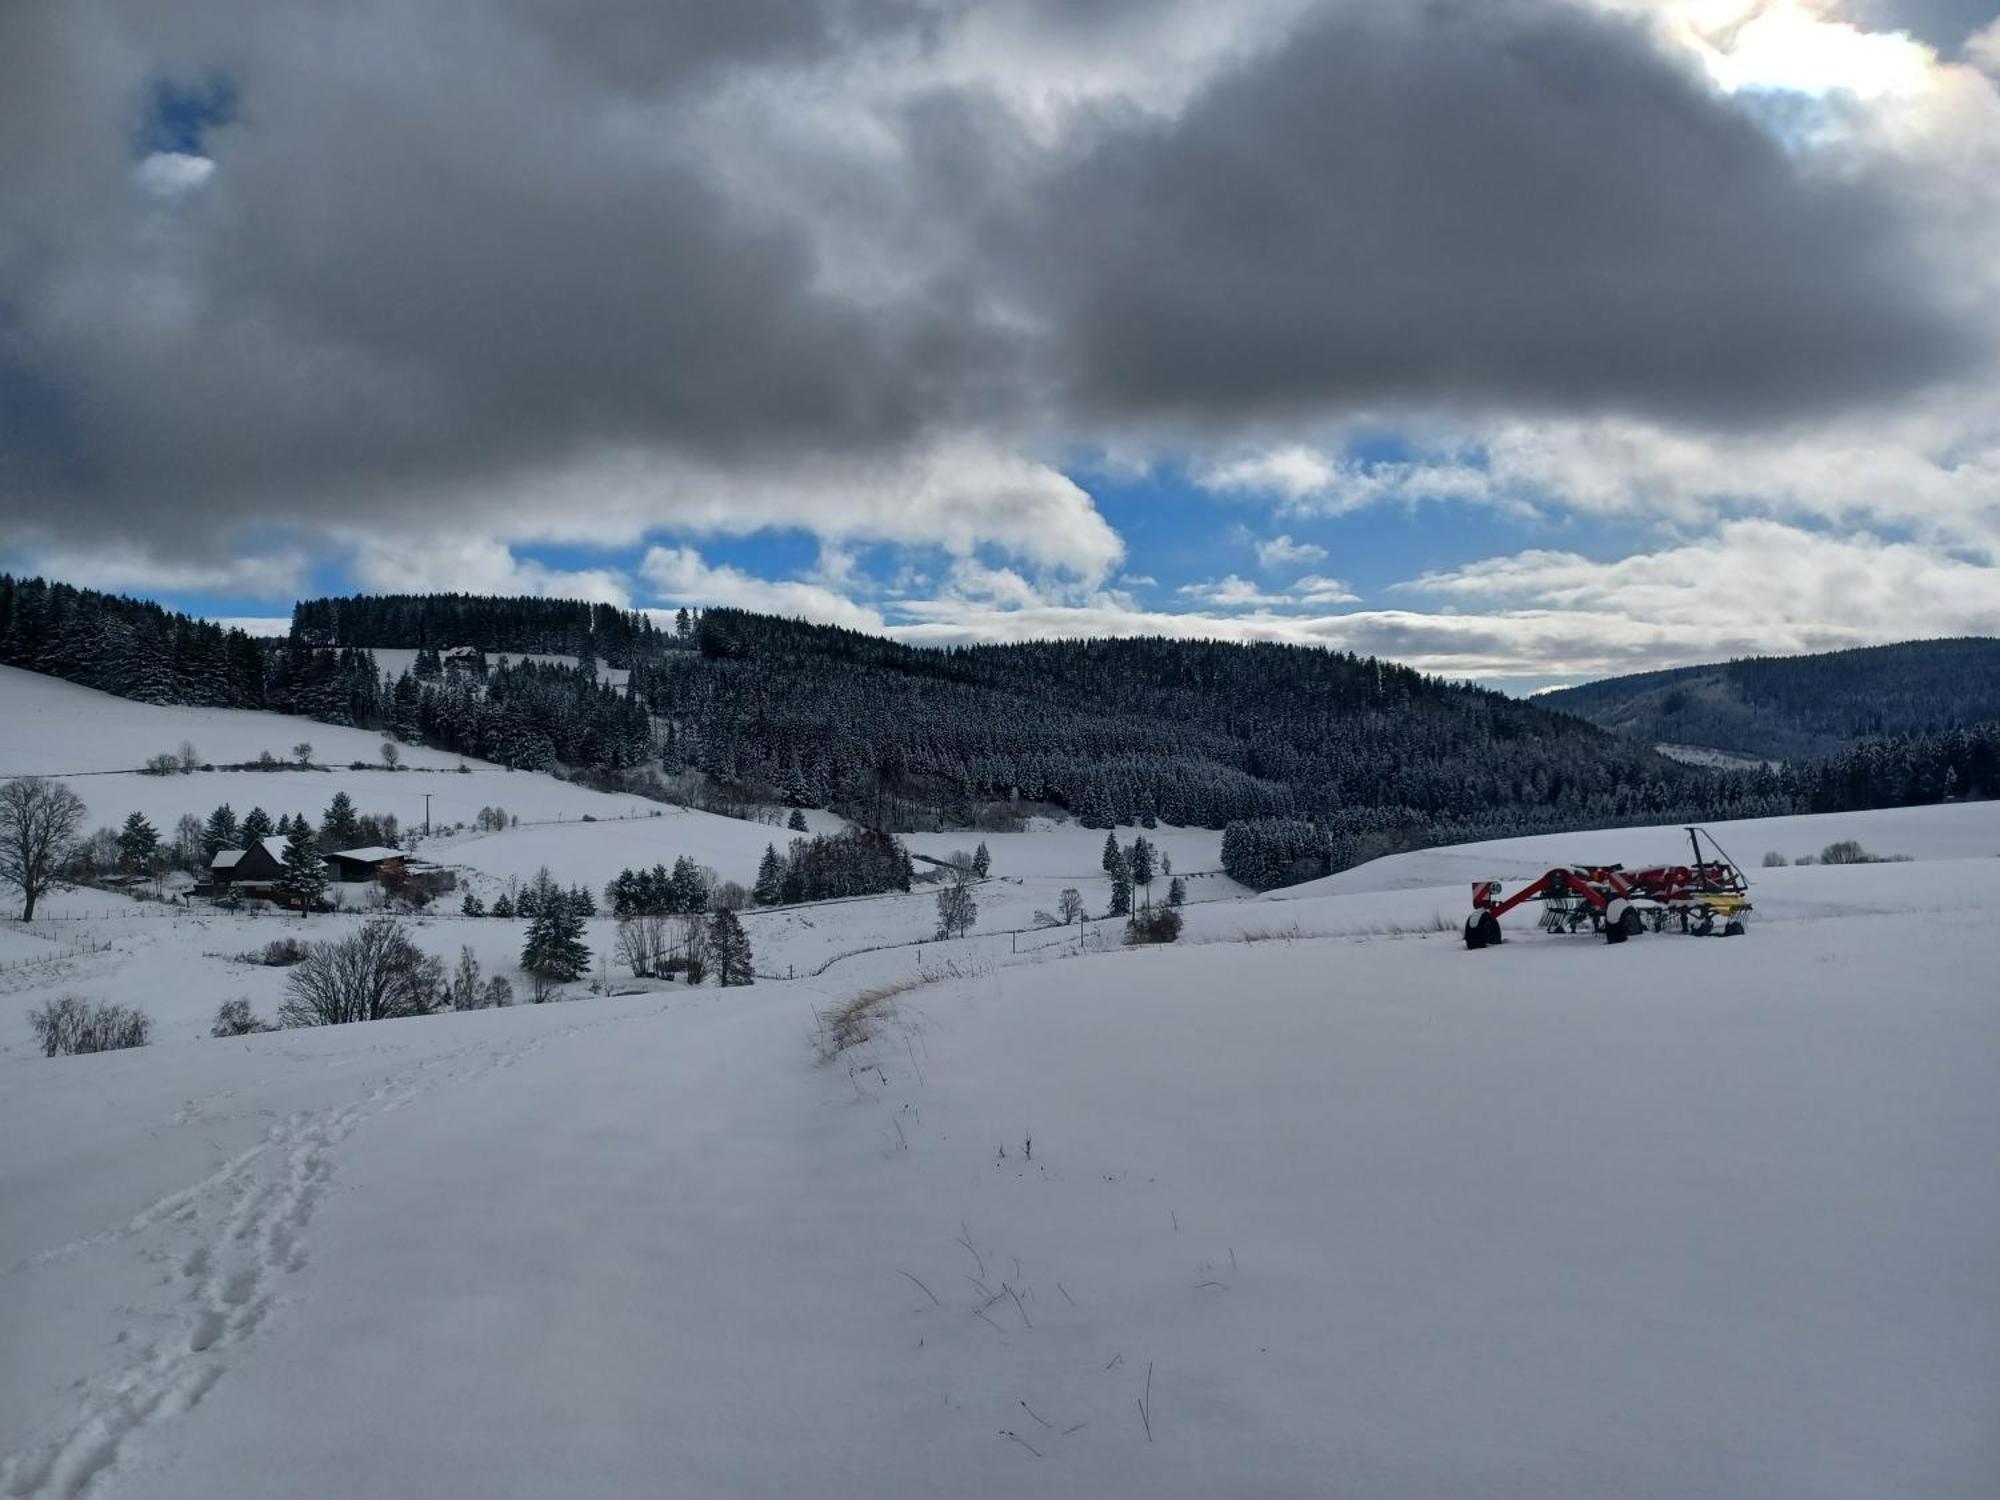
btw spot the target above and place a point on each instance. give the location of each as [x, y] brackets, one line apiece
[1525, 340]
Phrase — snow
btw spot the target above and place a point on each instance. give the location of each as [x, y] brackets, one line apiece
[1947, 831]
[1350, 1208]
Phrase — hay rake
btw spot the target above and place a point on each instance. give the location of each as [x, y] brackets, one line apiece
[1709, 896]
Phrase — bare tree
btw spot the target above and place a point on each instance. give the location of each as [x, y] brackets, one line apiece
[69, 1026]
[375, 974]
[956, 909]
[391, 756]
[1069, 905]
[38, 823]
[642, 943]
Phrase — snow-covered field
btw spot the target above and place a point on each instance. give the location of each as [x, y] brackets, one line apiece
[1316, 1202]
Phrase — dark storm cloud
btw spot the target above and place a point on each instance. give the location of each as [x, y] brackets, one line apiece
[1943, 23]
[449, 245]
[1494, 200]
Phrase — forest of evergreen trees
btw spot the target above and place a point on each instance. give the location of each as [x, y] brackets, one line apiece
[1801, 707]
[1366, 755]
[517, 626]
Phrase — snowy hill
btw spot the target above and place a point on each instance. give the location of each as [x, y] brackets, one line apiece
[1362, 1212]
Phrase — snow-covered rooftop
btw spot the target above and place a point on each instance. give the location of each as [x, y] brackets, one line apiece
[224, 858]
[373, 854]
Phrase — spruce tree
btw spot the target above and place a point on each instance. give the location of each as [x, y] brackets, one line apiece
[256, 826]
[1121, 889]
[729, 949]
[219, 833]
[138, 843]
[796, 823]
[554, 951]
[768, 890]
[1176, 891]
[339, 829]
[687, 889]
[982, 861]
[1111, 856]
[304, 880]
[502, 905]
[472, 906]
[1141, 864]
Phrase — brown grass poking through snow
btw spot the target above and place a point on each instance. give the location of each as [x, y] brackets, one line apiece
[853, 1023]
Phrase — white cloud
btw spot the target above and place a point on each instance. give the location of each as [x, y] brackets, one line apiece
[1313, 481]
[1283, 552]
[1316, 588]
[1785, 45]
[1982, 49]
[959, 495]
[476, 566]
[681, 576]
[1231, 592]
[168, 174]
[1775, 587]
[1234, 592]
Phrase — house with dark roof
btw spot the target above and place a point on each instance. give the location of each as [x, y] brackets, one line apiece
[374, 862]
[259, 867]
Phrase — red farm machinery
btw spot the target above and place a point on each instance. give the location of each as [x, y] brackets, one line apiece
[1709, 896]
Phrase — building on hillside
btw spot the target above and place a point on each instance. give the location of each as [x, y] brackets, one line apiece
[352, 866]
[393, 869]
[253, 871]
[467, 660]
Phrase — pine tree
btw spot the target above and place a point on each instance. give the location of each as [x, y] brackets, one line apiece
[729, 949]
[304, 880]
[554, 951]
[769, 889]
[580, 901]
[284, 826]
[796, 823]
[502, 906]
[219, 833]
[472, 906]
[1121, 889]
[1141, 864]
[1111, 856]
[338, 829]
[256, 826]
[138, 844]
[982, 861]
[687, 888]
[1176, 891]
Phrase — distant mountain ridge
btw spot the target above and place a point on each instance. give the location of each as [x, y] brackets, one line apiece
[1800, 707]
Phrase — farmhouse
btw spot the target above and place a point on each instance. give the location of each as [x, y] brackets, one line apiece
[258, 868]
[352, 866]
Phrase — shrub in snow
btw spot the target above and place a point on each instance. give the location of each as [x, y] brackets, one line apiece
[279, 953]
[372, 975]
[69, 1026]
[1159, 924]
[235, 1018]
[1773, 860]
[498, 994]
